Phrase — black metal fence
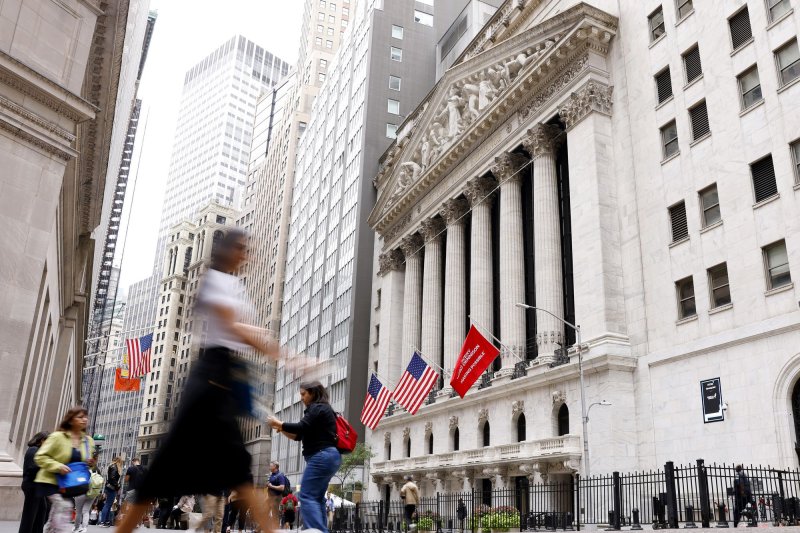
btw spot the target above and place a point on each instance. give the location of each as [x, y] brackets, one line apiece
[694, 494]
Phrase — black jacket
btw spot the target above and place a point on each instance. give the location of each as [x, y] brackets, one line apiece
[112, 479]
[29, 468]
[317, 428]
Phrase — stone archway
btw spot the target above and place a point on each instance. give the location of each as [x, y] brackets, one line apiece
[787, 412]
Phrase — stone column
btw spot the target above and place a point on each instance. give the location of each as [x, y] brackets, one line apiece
[512, 258]
[432, 231]
[455, 301]
[542, 143]
[392, 281]
[481, 284]
[412, 296]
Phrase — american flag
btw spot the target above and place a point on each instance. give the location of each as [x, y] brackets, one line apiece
[415, 383]
[375, 403]
[139, 355]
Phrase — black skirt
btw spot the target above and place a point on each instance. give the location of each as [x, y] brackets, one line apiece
[204, 451]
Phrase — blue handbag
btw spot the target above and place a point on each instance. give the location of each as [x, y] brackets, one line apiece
[76, 482]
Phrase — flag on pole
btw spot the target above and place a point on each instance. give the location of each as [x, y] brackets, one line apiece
[375, 403]
[123, 384]
[139, 355]
[477, 354]
[415, 384]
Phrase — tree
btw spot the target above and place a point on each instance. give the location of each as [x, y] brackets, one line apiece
[355, 459]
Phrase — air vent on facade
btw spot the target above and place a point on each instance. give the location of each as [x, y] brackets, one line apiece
[699, 118]
[763, 173]
[677, 215]
[691, 61]
[664, 85]
[740, 28]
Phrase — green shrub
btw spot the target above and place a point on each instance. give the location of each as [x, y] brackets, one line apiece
[500, 519]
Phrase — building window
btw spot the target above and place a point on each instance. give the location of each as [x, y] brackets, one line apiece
[692, 65]
[684, 7]
[563, 420]
[318, 41]
[423, 18]
[669, 139]
[329, 44]
[323, 63]
[322, 4]
[321, 77]
[408, 447]
[430, 444]
[397, 31]
[739, 25]
[776, 264]
[332, 6]
[395, 53]
[709, 203]
[795, 149]
[393, 107]
[698, 116]
[455, 440]
[663, 85]
[377, 333]
[685, 291]
[521, 428]
[394, 83]
[788, 59]
[321, 16]
[750, 87]
[391, 131]
[331, 19]
[330, 30]
[486, 434]
[677, 218]
[656, 22]
[763, 174]
[719, 286]
[345, 11]
[777, 8]
[320, 28]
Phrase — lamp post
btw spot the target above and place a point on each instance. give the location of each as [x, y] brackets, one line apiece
[584, 411]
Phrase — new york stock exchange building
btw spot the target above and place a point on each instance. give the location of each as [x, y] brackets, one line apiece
[630, 168]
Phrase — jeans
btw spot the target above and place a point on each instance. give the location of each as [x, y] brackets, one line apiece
[320, 469]
[104, 514]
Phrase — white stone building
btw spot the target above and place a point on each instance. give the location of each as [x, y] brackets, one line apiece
[631, 167]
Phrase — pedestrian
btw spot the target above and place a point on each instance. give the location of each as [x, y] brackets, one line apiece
[94, 515]
[742, 495]
[205, 430]
[410, 496]
[277, 487]
[238, 512]
[83, 519]
[330, 506]
[317, 431]
[69, 444]
[288, 508]
[164, 509]
[113, 478]
[34, 510]
[213, 508]
[461, 512]
[184, 505]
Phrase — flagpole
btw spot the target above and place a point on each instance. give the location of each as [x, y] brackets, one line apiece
[430, 361]
[509, 350]
[383, 380]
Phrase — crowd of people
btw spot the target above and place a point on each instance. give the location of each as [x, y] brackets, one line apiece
[60, 470]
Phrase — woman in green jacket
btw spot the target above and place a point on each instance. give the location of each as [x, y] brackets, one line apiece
[68, 444]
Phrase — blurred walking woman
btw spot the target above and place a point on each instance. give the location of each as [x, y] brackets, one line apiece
[205, 431]
[34, 510]
[70, 444]
[317, 431]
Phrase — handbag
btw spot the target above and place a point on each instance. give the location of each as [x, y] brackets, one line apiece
[76, 481]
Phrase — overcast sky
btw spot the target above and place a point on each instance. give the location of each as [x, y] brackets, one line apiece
[185, 32]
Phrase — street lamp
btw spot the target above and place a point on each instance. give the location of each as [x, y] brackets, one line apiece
[584, 411]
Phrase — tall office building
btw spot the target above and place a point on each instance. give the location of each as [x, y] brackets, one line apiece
[382, 69]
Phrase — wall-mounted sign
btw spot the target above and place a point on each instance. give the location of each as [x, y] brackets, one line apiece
[711, 395]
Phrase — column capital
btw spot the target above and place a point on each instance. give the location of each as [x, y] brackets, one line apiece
[411, 245]
[593, 96]
[478, 189]
[542, 139]
[507, 165]
[390, 261]
[431, 229]
[453, 210]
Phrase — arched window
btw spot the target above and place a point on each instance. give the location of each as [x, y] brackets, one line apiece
[455, 440]
[521, 427]
[387, 451]
[408, 447]
[486, 433]
[430, 444]
[563, 420]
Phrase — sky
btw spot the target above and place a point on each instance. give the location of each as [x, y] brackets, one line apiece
[185, 32]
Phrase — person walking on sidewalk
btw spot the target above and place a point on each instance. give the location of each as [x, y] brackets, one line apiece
[742, 495]
[70, 444]
[276, 487]
[34, 510]
[317, 431]
[204, 451]
[113, 478]
[288, 509]
[410, 496]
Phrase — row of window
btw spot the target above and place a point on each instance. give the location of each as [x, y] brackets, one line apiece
[776, 271]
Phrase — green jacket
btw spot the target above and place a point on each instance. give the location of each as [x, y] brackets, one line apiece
[55, 452]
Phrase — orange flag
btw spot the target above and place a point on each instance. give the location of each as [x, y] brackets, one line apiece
[122, 384]
[477, 354]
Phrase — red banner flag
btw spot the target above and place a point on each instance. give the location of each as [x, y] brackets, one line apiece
[477, 354]
[122, 384]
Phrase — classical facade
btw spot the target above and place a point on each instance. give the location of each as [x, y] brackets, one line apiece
[59, 76]
[554, 166]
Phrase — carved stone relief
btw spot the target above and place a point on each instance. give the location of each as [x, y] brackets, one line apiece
[453, 422]
[411, 244]
[428, 426]
[432, 228]
[559, 396]
[406, 433]
[517, 407]
[507, 166]
[542, 139]
[453, 210]
[483, 415]
[390, 261]
[593, 96]
[479, 189]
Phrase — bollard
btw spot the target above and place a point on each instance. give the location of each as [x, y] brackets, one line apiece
[690, 518]
[611, 520]
[722, 522]
[636, 526]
